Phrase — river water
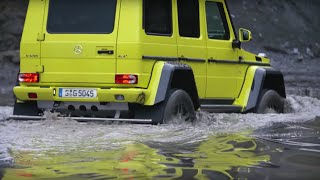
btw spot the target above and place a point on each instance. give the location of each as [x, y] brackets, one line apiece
[216, 146]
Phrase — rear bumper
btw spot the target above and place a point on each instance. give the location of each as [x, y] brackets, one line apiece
[131, 95]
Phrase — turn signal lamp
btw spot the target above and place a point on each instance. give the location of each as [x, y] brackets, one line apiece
[28, 77]
[126, 79]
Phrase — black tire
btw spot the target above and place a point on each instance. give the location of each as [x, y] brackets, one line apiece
[270, 102]
[178, 107]
[29, 108]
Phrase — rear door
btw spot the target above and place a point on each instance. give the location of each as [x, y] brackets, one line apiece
[79, 41]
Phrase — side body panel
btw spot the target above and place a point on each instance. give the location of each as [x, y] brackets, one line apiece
[224, 74]
[193, 52]
[130, 46]
[30, 45]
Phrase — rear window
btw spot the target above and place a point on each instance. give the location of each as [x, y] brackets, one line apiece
[81, 16]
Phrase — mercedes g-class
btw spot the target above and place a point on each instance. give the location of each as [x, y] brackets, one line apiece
[147, 60]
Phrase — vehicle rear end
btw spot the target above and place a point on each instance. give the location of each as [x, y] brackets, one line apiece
[69, 60]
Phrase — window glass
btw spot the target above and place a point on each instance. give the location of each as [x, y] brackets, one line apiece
[217, 25]
[188, 17]
[158, 17]
[81, 16]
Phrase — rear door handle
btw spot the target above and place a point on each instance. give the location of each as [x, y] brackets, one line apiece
[110, 52]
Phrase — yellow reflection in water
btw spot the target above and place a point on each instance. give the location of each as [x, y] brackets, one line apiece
[222, 153]
[137, 161]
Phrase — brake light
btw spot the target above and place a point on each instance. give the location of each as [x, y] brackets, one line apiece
[126, 79]
[29, 77]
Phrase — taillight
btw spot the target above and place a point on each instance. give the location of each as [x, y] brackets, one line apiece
[126, 79]
[29, 77]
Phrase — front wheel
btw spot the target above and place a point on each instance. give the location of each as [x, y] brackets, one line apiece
[270, 102]
[178, 107]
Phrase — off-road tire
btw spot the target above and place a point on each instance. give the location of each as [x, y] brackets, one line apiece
[178, 107]
[270, 100]
[164, 111]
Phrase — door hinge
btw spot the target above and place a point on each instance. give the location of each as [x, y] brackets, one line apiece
[41, 37]
[39, 68]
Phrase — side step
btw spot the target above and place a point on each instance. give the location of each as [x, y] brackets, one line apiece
[221, 108]
[82, 119]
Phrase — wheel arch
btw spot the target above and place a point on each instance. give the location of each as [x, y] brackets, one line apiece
[265, 78]
[177, 76]
[274, 80]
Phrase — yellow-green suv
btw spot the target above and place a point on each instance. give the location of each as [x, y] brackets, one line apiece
[145, 60]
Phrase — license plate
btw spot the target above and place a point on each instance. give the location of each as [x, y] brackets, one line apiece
[77, 93]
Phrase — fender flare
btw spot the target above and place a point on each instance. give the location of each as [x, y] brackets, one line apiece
[174, 75]
[265, 78]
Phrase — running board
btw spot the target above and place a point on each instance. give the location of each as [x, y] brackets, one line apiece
[221, 108]
[82, 119]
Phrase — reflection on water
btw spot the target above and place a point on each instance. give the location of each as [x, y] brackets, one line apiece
[213, 158]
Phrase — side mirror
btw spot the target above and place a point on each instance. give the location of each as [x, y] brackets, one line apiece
[245, 35]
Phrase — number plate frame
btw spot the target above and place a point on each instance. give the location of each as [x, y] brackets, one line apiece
[77, 93]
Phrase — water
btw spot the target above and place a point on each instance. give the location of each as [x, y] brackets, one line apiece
[216, 146]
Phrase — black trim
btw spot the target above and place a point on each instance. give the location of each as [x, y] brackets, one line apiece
[258, 59]
[163, 58]
[256, 88]
[238, 62]
[221, 108]
[177, 76]
[236, 44]
[160, 58]
[216, 101]
[192, 59]
[264, 78]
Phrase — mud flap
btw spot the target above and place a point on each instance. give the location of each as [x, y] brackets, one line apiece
[29, 108]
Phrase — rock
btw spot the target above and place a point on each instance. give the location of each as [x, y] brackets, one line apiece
[316, 50]
[309, 52]
[10, 56]
[275, 49]
[13, 27]
[296, 51]
[285, 45]
[299, 59]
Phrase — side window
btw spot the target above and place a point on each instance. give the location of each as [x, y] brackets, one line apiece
[188, 17]
[157, 16]
[217, 25]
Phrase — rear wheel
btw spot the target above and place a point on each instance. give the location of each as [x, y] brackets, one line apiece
[270, 102]
[178, 107]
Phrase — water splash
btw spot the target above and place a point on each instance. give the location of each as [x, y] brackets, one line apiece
[67, 136]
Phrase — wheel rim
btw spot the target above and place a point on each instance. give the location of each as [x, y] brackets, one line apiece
[181, 112]
[272, 108]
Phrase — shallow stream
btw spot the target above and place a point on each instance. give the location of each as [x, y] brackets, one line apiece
[216, 146]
